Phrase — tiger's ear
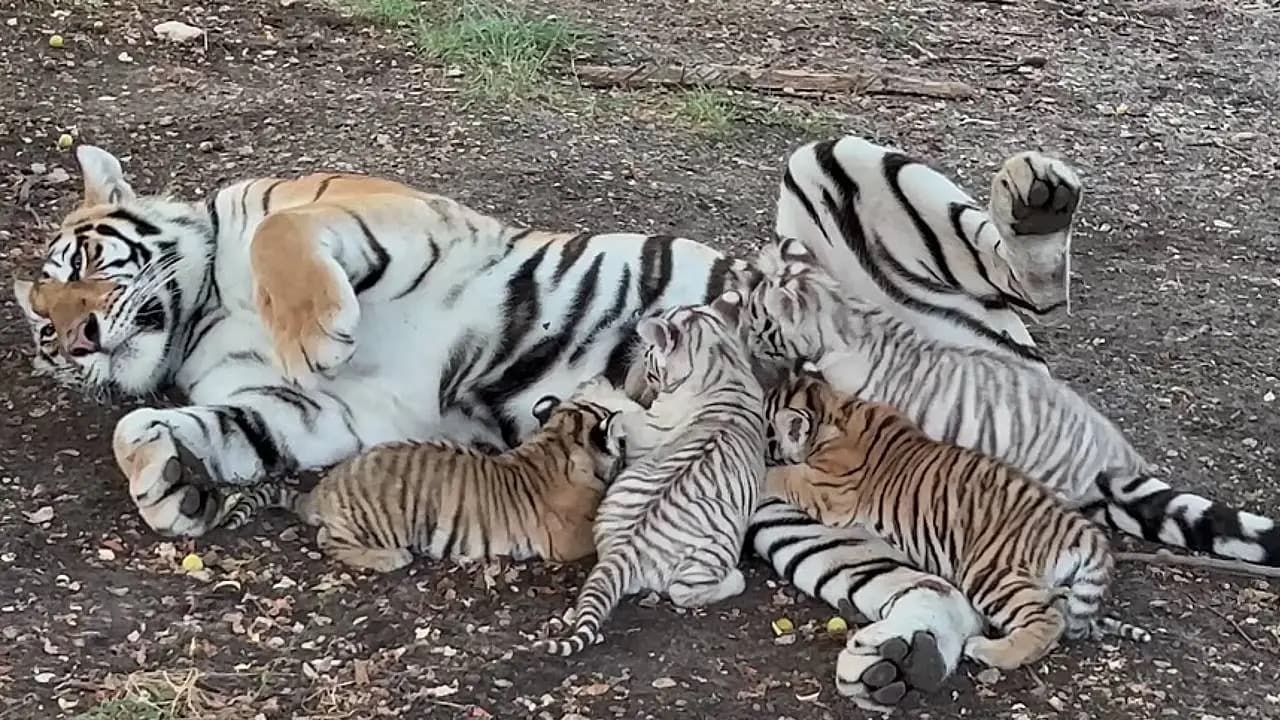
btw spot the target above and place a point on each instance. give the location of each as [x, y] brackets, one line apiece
[609, 436]
[542, 409]
[729, 307]
[103, 177]
[793, 427]
[22, 293]
[792, 249]
[658, 333]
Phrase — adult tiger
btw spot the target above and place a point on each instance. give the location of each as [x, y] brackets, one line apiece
[307, 319]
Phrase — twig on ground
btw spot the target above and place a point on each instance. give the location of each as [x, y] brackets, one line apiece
[793, 82]
[1235, 567]
[1252, 643]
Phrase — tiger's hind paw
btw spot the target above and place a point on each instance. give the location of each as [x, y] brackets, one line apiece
[878, 678]
[1034, 194]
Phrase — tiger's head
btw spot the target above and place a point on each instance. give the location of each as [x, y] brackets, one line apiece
[107, 309]
[685, 342]
[590, 426]
[796, 311]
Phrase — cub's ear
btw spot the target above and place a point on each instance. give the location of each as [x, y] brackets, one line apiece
[608, 435]
[103, 177]
[794, 426]
[792, 249]
[542, 409]
[22, 293]
[729, 307]
[659, 333]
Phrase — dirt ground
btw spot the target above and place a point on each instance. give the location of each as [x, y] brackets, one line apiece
[1166, 108]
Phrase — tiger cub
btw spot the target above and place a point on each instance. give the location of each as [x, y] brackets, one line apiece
[451, 501]
[675, 518]
[1022, 558]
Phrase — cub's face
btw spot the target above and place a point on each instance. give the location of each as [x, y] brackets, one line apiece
[103, 310]
[589, 426]
[684, 340]
[791, 311]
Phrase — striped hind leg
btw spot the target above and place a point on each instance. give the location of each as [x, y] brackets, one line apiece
[381, 560]
[1026, 613]
[704, 578]
[608, 582]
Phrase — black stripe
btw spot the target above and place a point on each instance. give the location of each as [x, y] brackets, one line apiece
[569, 254]
[892, 165]
[716, 279]
[607, 320]
[655, 269]
[266, 197]
[142, 226]
[534, 363]
[378, 264]
[1002, 300]
[435, 256]
[794, 188]
[324, 187]
[252, 428]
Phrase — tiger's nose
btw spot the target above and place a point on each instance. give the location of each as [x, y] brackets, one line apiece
[84, 339]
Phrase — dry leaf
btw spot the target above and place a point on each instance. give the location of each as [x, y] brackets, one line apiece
[41, 516]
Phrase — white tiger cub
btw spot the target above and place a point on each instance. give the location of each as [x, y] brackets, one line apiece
[900, 235]
[989, 402]
[674, 520]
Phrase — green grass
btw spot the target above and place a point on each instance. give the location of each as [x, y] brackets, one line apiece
[502, 53]
[712, 111]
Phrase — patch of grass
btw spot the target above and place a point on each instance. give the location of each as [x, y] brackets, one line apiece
[161, 695]
[503, 53]
[710, 110]
[388, 12]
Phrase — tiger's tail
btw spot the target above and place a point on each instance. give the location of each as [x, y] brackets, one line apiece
[269, 495]
[601, 593]
[1151, 509]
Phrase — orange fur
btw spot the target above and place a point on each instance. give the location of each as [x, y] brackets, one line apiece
[1002, 537]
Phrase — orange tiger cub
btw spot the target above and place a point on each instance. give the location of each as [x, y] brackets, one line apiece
[1034, 568]
[536, 500]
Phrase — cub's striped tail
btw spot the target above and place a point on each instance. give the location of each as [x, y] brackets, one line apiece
[1127, 631]
[600, 594]
[1151, 509]
[254, 500]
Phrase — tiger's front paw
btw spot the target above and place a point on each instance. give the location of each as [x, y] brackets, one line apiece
[1034, 194]
[147, 455]
[311, 311]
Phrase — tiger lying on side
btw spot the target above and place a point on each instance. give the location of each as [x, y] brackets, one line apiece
[305, 320]
[536, 500]
[992, 403]
[674, 520]
[1020, 557]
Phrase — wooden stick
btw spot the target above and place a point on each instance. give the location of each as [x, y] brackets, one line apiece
[1236, 567]
[792, 82]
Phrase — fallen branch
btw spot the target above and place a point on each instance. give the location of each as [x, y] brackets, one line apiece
[791, 82]
[1235, 567]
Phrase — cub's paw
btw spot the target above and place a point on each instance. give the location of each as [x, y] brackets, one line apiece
[1033, 194]
[878, 677]
[311, 311]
